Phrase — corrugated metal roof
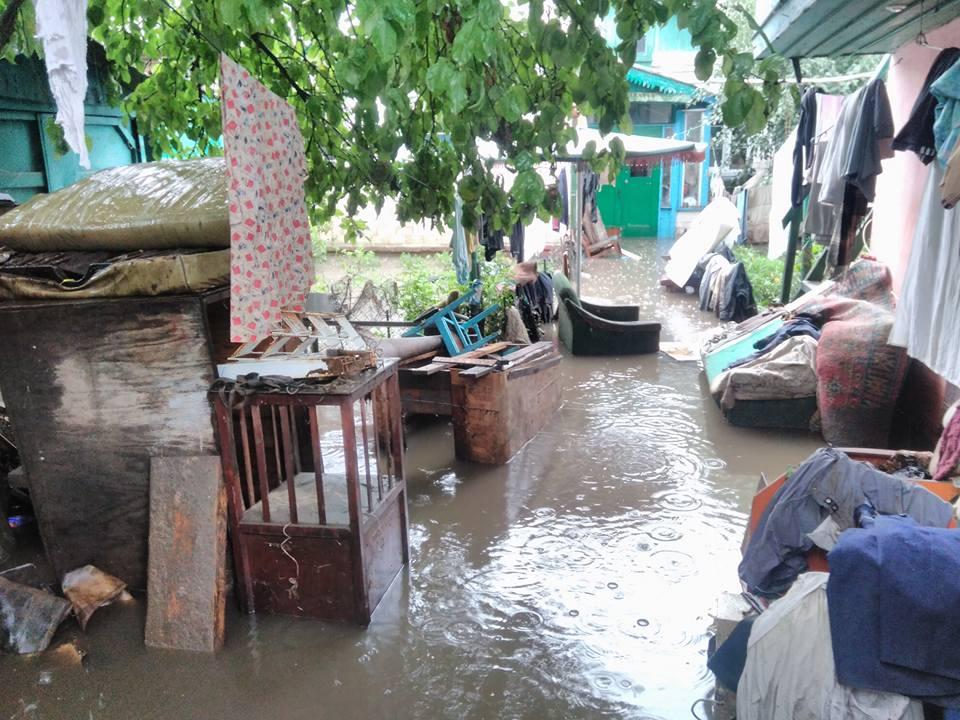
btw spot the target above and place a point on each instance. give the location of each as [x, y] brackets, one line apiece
[818, 28]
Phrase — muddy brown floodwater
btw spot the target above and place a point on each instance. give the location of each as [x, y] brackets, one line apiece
[575, 582]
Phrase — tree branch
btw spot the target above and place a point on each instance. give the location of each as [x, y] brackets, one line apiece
[8, 22]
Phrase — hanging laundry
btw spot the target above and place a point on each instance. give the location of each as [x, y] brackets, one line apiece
[458, 243]
[894, 586]
[820, 219]
[947, 453]
[927, 323]
[827, 485]
[563, 190]
[517, 235]
[803, 148]
[590, 185]
[946, 124]
[62, 29]
[950, 185]
[271, 251]
[492, 240]
[789, 670]
[862, 138]
[916, 135]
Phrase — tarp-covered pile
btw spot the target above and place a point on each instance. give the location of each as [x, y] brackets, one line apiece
[146, 229]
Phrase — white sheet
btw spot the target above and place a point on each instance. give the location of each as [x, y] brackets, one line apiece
[62, 29]
[927, 323]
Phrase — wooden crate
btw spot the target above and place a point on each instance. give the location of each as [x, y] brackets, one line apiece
[315, 534]
[497, 413]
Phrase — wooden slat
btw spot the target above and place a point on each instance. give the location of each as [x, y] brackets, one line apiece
[366, 451]
[235, 504]
[317, 461]
[247, 462]
[261, 453]
[361, 597]
[461, 360]
[431, 369]
[290, 475]
[419, 358]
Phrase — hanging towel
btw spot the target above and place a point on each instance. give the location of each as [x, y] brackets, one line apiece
[271, 252]
[62, 29]
[946, 125]
[803, 149]
[916, 135]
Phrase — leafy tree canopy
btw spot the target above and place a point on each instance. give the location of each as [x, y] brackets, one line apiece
[393, 94]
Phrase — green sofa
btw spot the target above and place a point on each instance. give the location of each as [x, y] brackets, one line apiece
[589, 329]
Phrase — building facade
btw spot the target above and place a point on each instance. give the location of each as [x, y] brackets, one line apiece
[34, 158]
[664, 102]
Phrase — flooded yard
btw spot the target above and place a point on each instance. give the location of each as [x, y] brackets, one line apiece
[575, 582]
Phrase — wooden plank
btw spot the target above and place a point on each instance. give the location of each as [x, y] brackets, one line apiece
[431, 369]
[523, 352]
[186, 586]
[419, 358]
[461, 360]
[95, 388]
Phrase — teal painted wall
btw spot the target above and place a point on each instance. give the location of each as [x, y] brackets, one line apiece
[30, 159]
[671, 38]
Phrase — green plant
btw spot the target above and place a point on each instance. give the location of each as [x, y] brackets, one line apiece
[426, 281]
[766, 274]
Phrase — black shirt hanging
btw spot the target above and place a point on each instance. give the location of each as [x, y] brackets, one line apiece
[917, 133]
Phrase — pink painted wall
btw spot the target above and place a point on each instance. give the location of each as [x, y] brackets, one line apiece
[900, 186]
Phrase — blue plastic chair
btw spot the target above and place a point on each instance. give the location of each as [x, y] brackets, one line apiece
[459, 334]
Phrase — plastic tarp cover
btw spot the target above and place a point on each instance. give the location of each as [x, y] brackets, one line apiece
[173, 274]
[147, 206]
[712, 226]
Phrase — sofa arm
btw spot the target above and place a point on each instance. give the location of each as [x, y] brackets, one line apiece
[616, 313]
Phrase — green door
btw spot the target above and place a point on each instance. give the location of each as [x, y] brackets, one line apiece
[633, 203]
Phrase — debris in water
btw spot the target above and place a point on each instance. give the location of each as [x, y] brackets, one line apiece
[28, 617]
[88, 589]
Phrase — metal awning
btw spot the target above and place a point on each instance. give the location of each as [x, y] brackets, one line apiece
[636, 146]
[818, 28]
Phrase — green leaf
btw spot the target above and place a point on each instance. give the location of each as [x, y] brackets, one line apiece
[513, 104]
[469, 44]
[384, 37]
[703, 63]
[440, 76]
[231, 11]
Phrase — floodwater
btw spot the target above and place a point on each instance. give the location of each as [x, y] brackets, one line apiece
[575, 582]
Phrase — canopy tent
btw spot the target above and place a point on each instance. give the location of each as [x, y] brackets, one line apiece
[637, 147]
